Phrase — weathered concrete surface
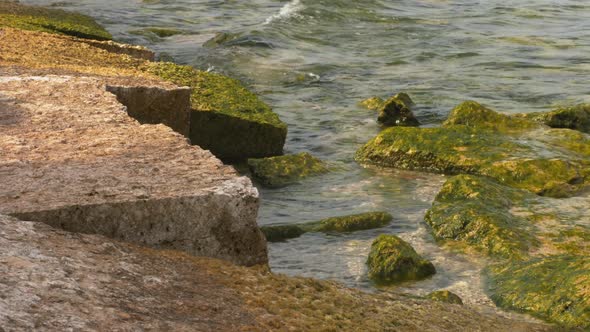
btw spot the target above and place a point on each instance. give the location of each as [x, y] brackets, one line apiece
[52, 280]
[71, 157]
[154, 105]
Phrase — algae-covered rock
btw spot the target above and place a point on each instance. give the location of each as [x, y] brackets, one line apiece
[445, 296]
[574, 117]
[227, 119]
[221, 38]
[355, 222]
[276, 233]
[283, 170]
[15, 15]
[343, 224]
[473, 114]
[155, 33]
[396, 111]
[475, 212]
[477, 140]
[373, 103]
[555, 288]
[393, 260]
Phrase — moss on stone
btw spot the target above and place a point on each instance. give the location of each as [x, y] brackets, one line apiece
[227, 118]
[283, 170]
[393, 260]
[15, 15]
[221, 38]
[473, 114]
[475, 212]
[477, 140]
[373, 103]
[278, 233]
[555, 288]
[351, 223]
[574, 117]
[445, 296]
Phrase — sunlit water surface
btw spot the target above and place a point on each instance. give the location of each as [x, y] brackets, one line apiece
[313, 60]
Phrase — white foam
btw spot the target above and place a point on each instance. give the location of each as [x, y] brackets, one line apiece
[290, 9]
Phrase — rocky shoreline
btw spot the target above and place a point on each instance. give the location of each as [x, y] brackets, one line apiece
[95, 142]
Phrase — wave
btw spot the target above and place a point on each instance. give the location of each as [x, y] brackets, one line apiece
[290, 9]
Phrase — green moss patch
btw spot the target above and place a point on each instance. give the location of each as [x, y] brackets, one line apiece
[283, 170]
[278, 233]
[351, 223]
[477, 140]
[393, 260]
[555, 288]
[574, 117]
[227, 118]
[445, 296]
[373, 103]
[475, 212]
[51, 20]
[155, 33]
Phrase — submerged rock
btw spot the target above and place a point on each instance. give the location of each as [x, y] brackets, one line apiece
[476, 140]
[355, 222]
[15, 15]
[555, 288]
[475, 212]
[283, 170]
[227, 119]
[575, 117]
[445, 296]
[396, 111]
[155, 33]
[393, 260]
[276, 233]
[343, 224]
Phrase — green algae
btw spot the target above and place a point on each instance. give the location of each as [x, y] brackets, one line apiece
[50, 20]
[477, 140]
[575, 117]
[227, 118]
[475, 212]
[351, 223]
[283, 170]
[373, 103]
[555, 288]
[277, 233]
[473, 114]
[218, 93]
[445, 296]
[393, 260]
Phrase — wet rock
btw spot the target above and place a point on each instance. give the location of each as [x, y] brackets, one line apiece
[393, 260]
[445, 296]
[156, 32]
[73, 158]
[36, 18]
[221, 38]
[475, 212]
[575, 117]
[284, 170]
[343, 224]
[227, 119]
[351, 223]
[396, 111]
[554, 288]
[476, 140]
[276, 233]
[238, 39]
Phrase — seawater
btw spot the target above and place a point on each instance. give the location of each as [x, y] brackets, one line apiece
[314, 60]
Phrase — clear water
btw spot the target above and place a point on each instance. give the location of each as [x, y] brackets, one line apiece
[313, 60]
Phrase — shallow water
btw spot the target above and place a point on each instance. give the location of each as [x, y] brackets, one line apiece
[313, 60]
